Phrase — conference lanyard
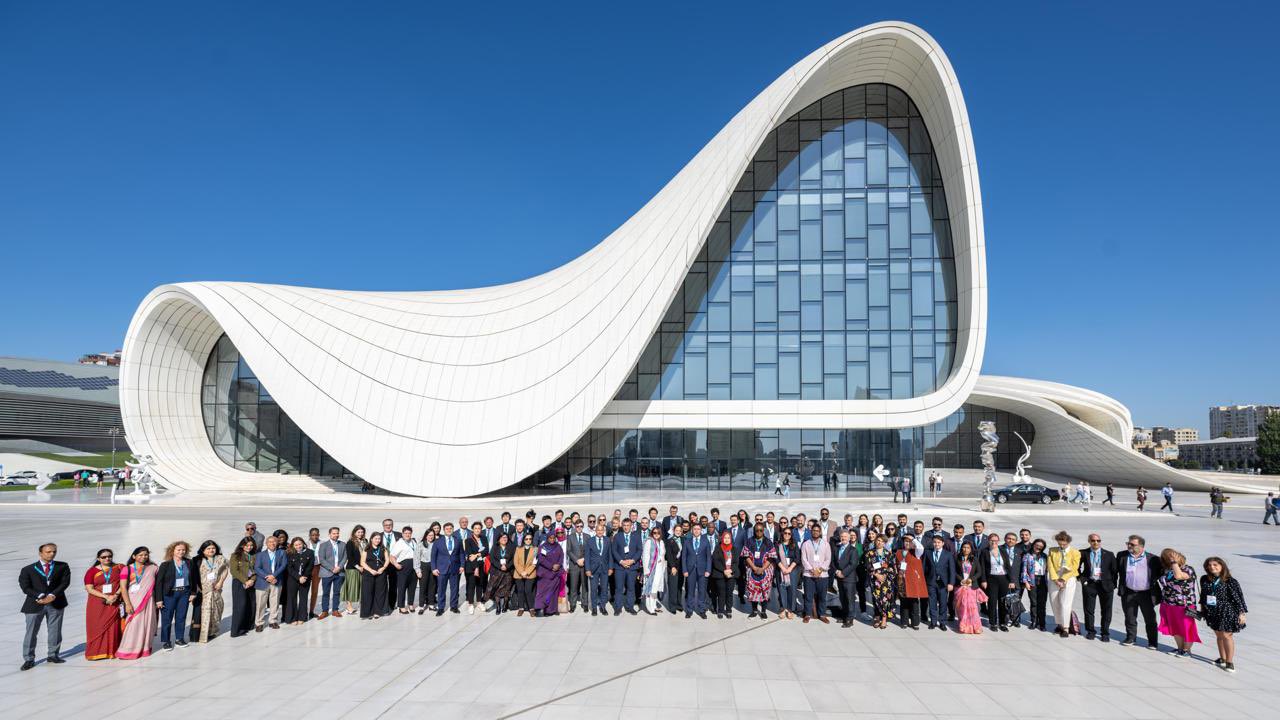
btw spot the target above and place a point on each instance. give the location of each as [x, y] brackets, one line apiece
[45, 575]
[106, 576]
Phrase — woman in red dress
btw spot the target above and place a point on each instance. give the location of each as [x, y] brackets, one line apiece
[103, 583]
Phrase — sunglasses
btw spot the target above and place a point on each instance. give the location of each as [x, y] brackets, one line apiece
[104, 557]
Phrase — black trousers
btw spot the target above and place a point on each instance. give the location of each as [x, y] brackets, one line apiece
[997, 611]
[674, 594]
[577, 589]
[524, 594]
[1091, 591]
[741, 580]
[242, 606]
[848, 589]
[1037, 597]
[406, 584]
[477, 581]
[426, 585]
[388, 582]
[1131, 603]
[721, 593]
[298, 592]
[911, 611]
[373, 595]
[861, 587]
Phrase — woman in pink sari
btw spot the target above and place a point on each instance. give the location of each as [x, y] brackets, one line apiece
[968, 596]
[139, 606]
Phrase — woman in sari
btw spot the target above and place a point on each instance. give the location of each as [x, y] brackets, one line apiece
[653, 558]
[878, 565]
[104, 582]
[139, 606]
[352, 586]
[212, 567]
[968, 594]
[502, 562]
[760, 557]
[550, 578]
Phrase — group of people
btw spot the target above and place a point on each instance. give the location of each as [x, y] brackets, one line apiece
[886, 572]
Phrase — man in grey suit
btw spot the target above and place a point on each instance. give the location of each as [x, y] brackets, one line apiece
[575, 560]
[331, 559]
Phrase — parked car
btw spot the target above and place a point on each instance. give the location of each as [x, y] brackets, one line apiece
[70, 474]
[26, 477]
[1027, 492]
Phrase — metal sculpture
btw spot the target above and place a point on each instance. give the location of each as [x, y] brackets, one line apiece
[140, 473]
[1020, 474]
[991, 441]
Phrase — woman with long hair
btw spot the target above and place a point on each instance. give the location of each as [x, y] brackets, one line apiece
[298, 582]
[788, 573]
[1177, 596]
[878, 565]
[352, 584]
[242, 576]
[653, 561]
[211, 573]
[1035, 568]
[104, 584]
[174, 590]
[502, 563]
[526, 574]
[968, 595]
[760, 557]
[1223, 607]
[139, 606]
[422, 560]
[374, 560]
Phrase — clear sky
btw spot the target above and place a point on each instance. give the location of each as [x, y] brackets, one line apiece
[1127, 153]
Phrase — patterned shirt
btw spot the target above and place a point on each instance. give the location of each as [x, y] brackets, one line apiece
[1179, 592]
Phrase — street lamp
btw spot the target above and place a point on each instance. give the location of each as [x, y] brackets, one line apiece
[113, 432]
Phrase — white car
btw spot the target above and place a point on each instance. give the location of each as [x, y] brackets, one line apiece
[26, 477]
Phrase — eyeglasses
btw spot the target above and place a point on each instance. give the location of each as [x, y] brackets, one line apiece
[1133, 544]
[104, 557]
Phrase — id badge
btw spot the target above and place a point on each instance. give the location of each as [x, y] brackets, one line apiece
[877, 565]
[180, 583]
[902, 566]
[106, 589]
[212, 576]
[1211, 600]
[133, 588]
[1097, 573]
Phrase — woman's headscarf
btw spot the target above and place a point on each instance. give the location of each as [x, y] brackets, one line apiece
[726, 546]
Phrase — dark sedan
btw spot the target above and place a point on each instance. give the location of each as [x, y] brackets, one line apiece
[1027, 492]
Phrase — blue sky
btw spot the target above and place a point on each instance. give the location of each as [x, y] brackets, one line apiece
[1125, 150]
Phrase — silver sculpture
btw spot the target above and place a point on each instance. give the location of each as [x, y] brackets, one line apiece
[140, 473]
[1020, 475]
[991, 441]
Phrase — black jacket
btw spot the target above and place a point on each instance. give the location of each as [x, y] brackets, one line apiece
[717, 562]
[1011, 562]
[975, 572]
[847, 565]
[300, 563]
[673, 551]
[1154, 570]
[33, 585]
[1106, 581]
[167, 578]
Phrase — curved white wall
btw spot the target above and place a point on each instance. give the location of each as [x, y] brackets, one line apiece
[464, 392]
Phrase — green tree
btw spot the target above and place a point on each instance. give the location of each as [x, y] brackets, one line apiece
[1269, 444]
[1191, 465]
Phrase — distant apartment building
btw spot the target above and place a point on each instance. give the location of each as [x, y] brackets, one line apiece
[109, 359]
[1177, 436]
[1238, 421]
[1221, 452]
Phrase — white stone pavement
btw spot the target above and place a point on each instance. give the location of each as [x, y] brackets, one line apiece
[578, 666]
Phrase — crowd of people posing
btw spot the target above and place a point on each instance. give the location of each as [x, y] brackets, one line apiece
[888, 572]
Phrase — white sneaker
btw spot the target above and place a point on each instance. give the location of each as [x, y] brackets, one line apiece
[471, 609]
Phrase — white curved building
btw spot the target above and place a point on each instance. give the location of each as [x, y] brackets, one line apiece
[807, 294]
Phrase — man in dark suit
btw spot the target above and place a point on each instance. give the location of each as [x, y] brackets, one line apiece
[598, 564]
[740, 532]
[575, 560]
[1136, 573]
[717, 525]
[695, 565]
[978, 537]
[671, 521]
[626, 561]
[940, 576]
[1098, 581]
[44, 587]
[507, 528]
[844, 568]
[674, 543]
[446, 565]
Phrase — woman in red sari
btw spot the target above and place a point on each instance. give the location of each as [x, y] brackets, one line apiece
[103, 583]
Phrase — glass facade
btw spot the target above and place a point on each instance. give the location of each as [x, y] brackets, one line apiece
[830, 273]
[746, 459]
[246, 427]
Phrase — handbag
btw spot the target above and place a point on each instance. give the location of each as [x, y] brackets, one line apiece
[1013, 603]
[1075, 623]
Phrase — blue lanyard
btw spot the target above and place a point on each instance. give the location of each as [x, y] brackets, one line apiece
[45, 575]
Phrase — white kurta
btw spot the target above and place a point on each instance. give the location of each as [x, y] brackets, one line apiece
[655, 571]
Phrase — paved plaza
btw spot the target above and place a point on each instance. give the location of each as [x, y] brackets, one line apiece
[578, 666]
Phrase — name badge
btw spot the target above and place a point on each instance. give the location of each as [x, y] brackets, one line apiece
[1211, 600]
[902, 565]
[180, 582]
[1097, 573]
[106, 588]
[133, 587]
[212, 576]
[877, 565]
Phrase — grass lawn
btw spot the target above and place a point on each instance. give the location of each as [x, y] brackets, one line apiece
[101, 460]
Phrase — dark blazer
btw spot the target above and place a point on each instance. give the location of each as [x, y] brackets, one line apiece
[846, 562]
[979, 541]
[443, 561]
[674, 549]
[1011, 564]
[34, 585]
[300, 563]
[598, 552]
[718, 566]
[1106, 581]
[167, 577]
[262, 568]
[740, 536]
[975, 573]
[699, 562]
[668, 522]
[941, 573]
[1154, 570]
[622, 550]
[719, 526]
[471, 547]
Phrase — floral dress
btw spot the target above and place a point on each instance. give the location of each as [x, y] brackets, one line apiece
[761, 553]
[883, 591]
[1228, 604]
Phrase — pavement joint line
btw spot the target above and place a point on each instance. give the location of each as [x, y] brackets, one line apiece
[633, 671]
[434, 648]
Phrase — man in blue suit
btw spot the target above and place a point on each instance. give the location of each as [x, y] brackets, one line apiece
[269, 570]
[446, 565]
[978, 538]
[740, 532]
[940, 577]
[626, 567]
[717, 524]
[599, 562]
[695, 564]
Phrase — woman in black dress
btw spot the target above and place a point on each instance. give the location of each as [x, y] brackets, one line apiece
[373, 588]
[298, 582]
[1223, 607]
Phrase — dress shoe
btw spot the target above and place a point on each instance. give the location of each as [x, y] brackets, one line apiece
[688, 614]
[728, 615]
[1090, 636]
[276, 626]
[28, 665]
[258, 629]
[593, 612]
[932, 626]
[181, 643]
[441, 612]
[617, 611]
[455, 611]
[322, 616]
[1105, 638]
[57, 660]
[823, 619]
[943, 628]
[806, 618]
[631, 611]
[702, 615]
[337, 613]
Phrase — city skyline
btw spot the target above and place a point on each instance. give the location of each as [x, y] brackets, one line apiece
[318, 150]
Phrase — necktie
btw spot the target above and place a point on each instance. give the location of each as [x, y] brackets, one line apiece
[937, 555]
[599, 545]
[695, 544]
[46, 571]
[448, 544]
